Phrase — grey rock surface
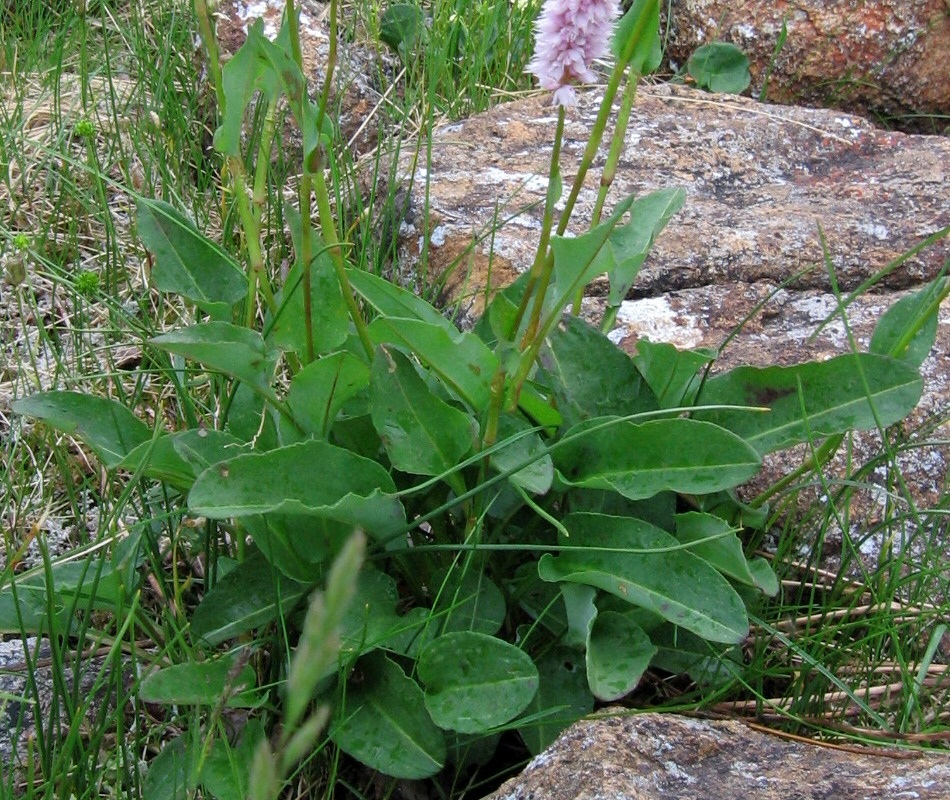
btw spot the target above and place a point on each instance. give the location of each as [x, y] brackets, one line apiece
[668, 757]
[28, 699]
[762, 183]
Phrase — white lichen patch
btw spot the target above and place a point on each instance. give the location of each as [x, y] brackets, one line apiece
[654, 318]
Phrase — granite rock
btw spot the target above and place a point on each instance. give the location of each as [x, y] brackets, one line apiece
[667, 757]
[885, 57]
[763, 183]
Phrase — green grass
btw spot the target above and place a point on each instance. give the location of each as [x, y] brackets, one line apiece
[104, 100]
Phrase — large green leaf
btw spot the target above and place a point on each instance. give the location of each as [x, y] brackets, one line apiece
[908, 329]
[575, 260]
[618, 653]
[250, 595]
[589, 375]
[641, 460]
[461, 360]
[475, 682]
[329, 317]
[644, 566]
[855, 391]
[422, 434]
[186, 261]
[178, 457]
[205, 683]
[238, 352]
[107, 426]
[524, 447]
[563, 697]
[672, 374]
[320, 389]
[312, 477]
[390, 300]
[629, 244]
[642, 20]
[716, 542]
[468, 600]
[720, 67]
[384, 723]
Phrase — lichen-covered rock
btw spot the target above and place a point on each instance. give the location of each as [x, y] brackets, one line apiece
[763, 184]
[663, 756]
[884, 57]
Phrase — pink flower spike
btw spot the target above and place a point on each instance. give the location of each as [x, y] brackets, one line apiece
[569, 35]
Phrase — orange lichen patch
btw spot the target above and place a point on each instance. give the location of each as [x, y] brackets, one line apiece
[466, 276]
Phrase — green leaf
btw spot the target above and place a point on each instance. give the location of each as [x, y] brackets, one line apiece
[401, 27]
[680, 652]
[244, 73]
[469, 601]
[647, 54]
[205, 683]
[389, 300]
[589, 375]
[725, 551]
[312, 477]
[720, 67]
[908, 329]
[250, 595]
[812, 400]
[371, 620]
[461, 360]
[320, 389]
[318, 647]
[630, 243]
[169, 772]
[279, 63]
[178, 457]
[575, 260]
[671, 373]
[475, 682]
[641, 460]
[26, 612]
[538, 476]
[108, 427]
[297, 544]
[186, 261]
[643, 565]
[384, 723]
[329, 317]
[581, 613]
[563, 697]
[422, 434]
[225, 770]
[618, 653]
[238, 352]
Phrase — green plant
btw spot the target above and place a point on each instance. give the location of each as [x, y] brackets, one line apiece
[546, 517]
[719, 67]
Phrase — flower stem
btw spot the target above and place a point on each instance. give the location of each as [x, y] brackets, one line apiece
[610, 166]
[540, 269]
